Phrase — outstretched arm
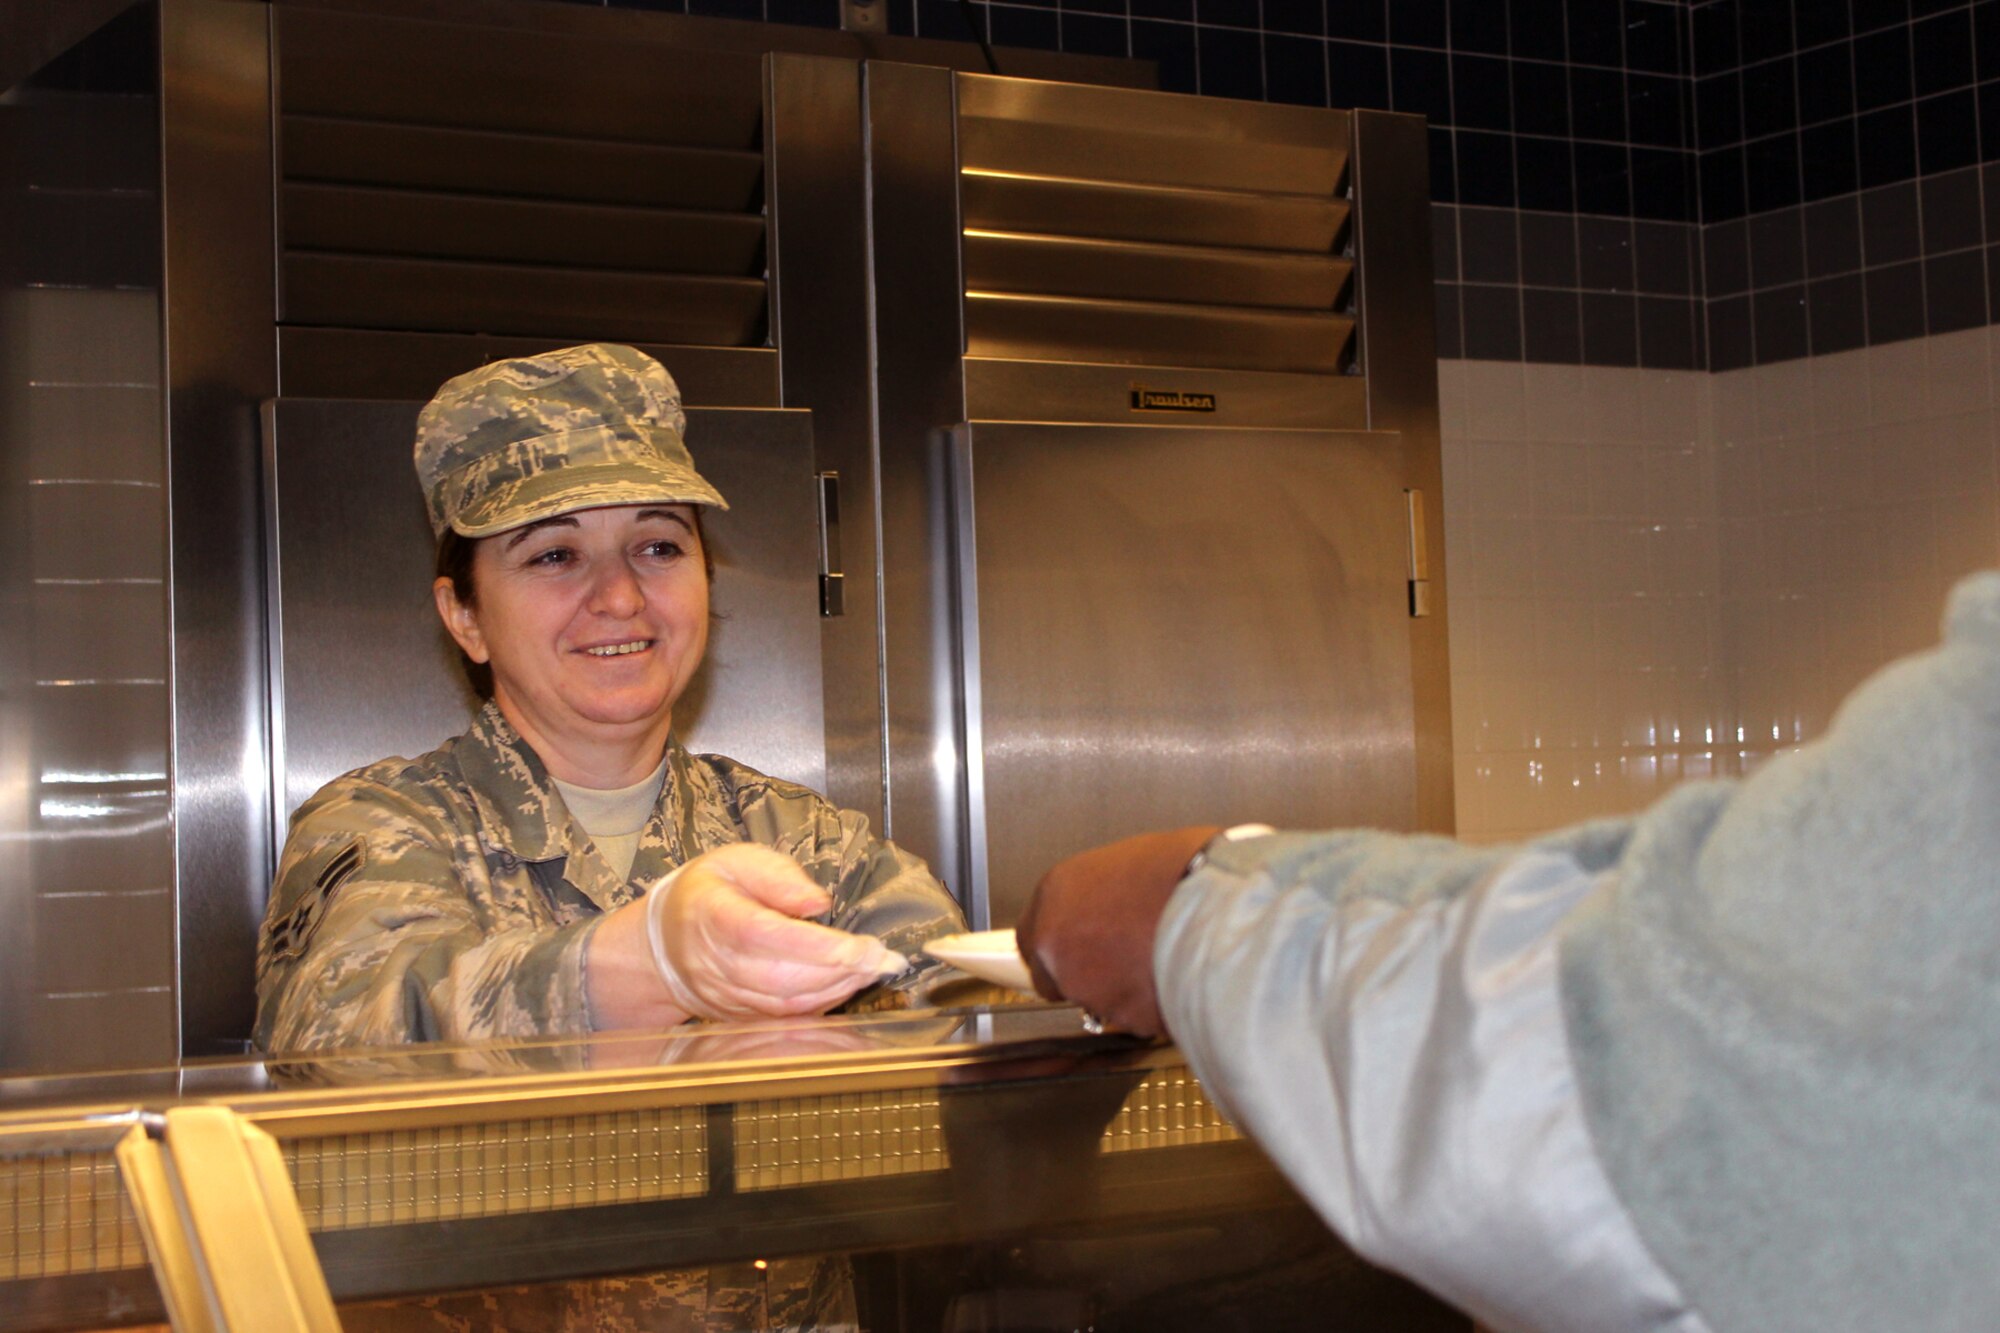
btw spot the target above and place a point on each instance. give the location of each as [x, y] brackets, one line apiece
[1382, 1014]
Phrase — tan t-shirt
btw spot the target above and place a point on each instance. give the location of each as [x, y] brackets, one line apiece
[615, 819]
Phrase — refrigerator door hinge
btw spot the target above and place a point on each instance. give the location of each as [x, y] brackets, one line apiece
[1420, 559]
[832, 584]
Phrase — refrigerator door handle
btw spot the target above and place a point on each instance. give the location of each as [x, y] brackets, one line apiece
[832, 583]
[1420, 560]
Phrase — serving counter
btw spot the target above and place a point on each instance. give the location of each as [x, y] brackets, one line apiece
[975, 1168]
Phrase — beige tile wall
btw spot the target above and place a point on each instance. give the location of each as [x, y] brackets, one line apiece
[1661, 575]
[1852, 491]
[1581, 547]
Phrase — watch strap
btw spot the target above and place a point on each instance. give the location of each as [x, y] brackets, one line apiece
[1234, 833]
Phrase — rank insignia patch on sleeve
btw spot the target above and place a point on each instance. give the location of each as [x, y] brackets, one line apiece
[292, 932]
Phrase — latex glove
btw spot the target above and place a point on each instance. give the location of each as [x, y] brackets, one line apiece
[730, 946]
[1087, 935]
[725, 935]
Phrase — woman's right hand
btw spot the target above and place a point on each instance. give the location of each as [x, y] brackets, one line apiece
[731, 945]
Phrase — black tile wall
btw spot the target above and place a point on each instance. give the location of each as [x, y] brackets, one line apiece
[1557, 287]
[1604, 254]
[1548, 249]
[1610, 329]
[1847, 93]
[1489, 245]
[1552, 323]
[1889, 224]
[1894, 297]
[1729, 340]
[1444, 244]
[1950, 206]
[1832, 236]
[1726, 259]
[1491, 318]
[1835, 313]
[1777, 249]
[1668, 337]
[1779, 330]
[1664, 257]
[1450, 331]
[1840, 169]
[1955, 292]
[1896, 261]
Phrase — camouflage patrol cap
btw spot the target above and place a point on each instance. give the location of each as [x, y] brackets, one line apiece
[537, 436]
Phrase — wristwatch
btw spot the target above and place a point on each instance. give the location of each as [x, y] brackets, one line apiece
[1235, 833]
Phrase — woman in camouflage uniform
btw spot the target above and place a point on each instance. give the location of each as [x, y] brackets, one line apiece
[566, 865]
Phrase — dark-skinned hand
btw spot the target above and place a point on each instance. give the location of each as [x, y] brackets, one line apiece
[1087, 935]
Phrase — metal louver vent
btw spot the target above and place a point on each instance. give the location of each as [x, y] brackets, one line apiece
[1110, 226]
[511, 183]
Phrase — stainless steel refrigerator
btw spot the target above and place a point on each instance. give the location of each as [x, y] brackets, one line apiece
[1159, 472]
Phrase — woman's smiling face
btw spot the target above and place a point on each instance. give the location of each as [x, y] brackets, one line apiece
[593, 622]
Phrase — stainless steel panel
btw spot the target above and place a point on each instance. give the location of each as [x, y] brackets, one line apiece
[1004, 390]
[67, 523]
[1040, 328]
[535, 166]
[220, 362]
[34, 32]
[84, 141]
[87, 934]
[362, 669]
[93, 630]
[99, 339]
[376, 363]
[1142, 271]
[417, 223]
[913, 225]
[103, 432]
[83, 239]
[760, 696]
[1052, 129]
[1399, 353]
[1173, 627]
[96, 734]
[106, 940]
[580, 304]
[120, 1029]
[118, 840]
[477, 77]
[1007, 202]
[820, 319]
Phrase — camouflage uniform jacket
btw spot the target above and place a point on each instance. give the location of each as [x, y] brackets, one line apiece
[451, 897]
